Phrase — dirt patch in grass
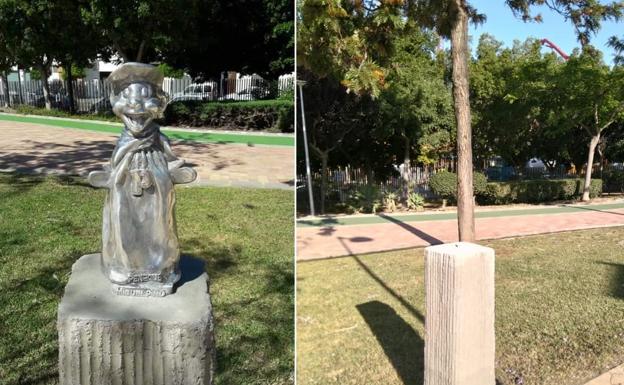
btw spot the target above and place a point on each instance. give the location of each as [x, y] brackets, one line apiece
[559, 312]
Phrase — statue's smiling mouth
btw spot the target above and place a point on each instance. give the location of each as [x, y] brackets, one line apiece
[136, 121]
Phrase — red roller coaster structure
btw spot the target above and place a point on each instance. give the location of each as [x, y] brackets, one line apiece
[553, 46]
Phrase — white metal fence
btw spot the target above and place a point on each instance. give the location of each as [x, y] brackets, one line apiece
[92, 96]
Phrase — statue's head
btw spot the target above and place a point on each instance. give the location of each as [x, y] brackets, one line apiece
[137, 97]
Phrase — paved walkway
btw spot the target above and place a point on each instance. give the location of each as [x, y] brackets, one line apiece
[332, 237]
[40, 148]
[614, 376]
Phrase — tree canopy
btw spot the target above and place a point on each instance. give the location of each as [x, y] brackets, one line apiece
[203, 37]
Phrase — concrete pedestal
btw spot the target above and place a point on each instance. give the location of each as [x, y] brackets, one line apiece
[109, 339]
[459, 324]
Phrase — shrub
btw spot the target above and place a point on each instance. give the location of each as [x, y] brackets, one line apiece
[365, 199]
[273, 115]
[613, 180]
[444, 184]
[390, 201]
[415, 201]
[30, 110]
[537, 191]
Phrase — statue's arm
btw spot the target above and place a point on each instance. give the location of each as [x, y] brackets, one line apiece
[178, 173]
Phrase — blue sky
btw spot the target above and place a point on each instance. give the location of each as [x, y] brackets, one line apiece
[502, 24]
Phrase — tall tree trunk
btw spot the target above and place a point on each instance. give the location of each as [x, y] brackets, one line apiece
[46, 87]
[5, 89]
[459, 53]
[324, 160]
[139, 55]
[19, 86]
[70, 88]
[590, 161]
[406, 168]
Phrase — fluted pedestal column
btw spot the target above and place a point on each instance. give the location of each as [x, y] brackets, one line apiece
[108, 339]
[459, 324]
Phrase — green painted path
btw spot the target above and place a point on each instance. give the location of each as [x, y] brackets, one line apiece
[378, 219]
[114, 128]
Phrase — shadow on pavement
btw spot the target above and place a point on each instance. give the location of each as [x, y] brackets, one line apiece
[419, 233]
[588, 208]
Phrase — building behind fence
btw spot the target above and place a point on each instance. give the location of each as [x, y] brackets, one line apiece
[92, 96]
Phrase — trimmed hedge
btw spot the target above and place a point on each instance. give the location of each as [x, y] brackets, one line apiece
[271, 115]
[29, 110]
[536, 191]
[444, 184]
[613, 181]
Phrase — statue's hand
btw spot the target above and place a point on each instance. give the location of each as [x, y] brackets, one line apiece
[99, 178]
[180, 174]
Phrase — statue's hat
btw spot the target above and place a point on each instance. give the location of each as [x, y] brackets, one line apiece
[132, 72]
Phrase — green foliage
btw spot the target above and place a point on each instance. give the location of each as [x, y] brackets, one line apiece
[77, 72]
[613, 180]
[390, 201]
[537, 191]
[416, 103]
[273, 115]
[415, 201]
[287, 94]
[349, 42]
[29, 110]
[35, 74]
[365, 199]
[444, 184]
[170, 72]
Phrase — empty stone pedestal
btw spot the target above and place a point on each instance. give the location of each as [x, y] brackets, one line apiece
[459, 326]
[108, 339]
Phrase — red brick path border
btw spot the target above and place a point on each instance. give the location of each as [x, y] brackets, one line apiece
[333, 241]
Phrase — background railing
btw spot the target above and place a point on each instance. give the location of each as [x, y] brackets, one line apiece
[92, 96]
[343, 182]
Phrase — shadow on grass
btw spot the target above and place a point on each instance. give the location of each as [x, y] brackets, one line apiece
[254, 331]
[403, 346]
[616, 282]
[23, 181]
[30, 345]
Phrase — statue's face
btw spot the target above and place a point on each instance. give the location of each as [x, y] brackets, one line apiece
[137, 105]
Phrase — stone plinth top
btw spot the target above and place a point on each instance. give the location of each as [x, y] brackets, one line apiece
[89, 295]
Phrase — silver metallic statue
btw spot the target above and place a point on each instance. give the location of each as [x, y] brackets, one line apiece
[140, 252]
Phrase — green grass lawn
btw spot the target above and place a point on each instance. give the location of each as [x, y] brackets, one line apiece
[244, 235]
[559, 312]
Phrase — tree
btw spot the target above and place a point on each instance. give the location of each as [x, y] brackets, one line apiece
[594, 100]
[342, 50]
[450, 19]
[141, 30]
[75, 53]
[9, 35]
[416, 104]
[516, 103]
[618, 45]
[336, 121]
[250, 36]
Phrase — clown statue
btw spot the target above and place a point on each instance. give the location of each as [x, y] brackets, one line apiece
[140, 252]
